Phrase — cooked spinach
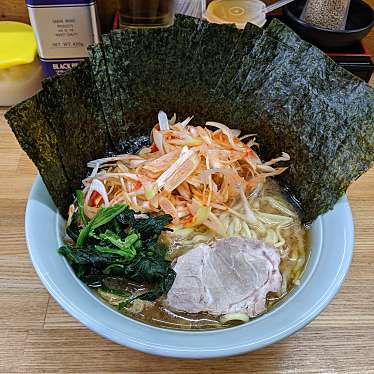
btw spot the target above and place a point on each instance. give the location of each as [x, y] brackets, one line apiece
[73, 229]
[103, 216]
[149, 229]
[82, 216]
[162, 287]
[117, 243]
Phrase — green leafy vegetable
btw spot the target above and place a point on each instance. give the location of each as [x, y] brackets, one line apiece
[128, 254]
[116, 244]
[82, 216]
[91, 256]
[103, 216]
[73, 229]
[160, 289]
[117, 241]
[149, 229]
[109, 268]
[114, 297]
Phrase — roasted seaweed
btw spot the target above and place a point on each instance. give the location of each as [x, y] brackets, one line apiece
[271, 83]
[100, 73]
[179, 68]
[75, 113]
[203, 69]
[30, 124]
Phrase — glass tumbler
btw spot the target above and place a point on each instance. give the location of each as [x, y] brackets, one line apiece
[146, 13]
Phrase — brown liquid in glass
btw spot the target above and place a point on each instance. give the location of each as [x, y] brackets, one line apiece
[146, 13]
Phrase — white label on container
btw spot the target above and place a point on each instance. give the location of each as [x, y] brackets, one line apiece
[64, 31]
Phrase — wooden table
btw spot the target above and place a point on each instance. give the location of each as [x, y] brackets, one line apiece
[37, 336]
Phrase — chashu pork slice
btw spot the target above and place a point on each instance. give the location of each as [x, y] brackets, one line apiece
[234, 275]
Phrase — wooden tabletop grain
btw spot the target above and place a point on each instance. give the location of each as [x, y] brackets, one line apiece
[37, 336]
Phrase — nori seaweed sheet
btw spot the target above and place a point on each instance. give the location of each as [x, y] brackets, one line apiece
[274, 84]
[278, 30]
[100, 73]
[310, 111]
[125, 58]
[119, 77]
[246, 42]
[75, 113]
[185, 21]
[223, 97]
[112, 69]
[255, 63]
[29, 123]
[337, 114]
[160, 71]
[150, 89]
[179, 68]
[204, 69]
[134, 145]
[135, 100]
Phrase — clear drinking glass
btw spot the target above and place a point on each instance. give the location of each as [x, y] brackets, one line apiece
[146, 13]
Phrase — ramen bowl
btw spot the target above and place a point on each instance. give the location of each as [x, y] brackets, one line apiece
[331, 247]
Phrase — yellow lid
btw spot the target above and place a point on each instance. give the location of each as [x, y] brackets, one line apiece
[237, 12]
[18, 44]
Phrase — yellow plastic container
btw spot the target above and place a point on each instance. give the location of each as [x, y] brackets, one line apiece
[20, 69]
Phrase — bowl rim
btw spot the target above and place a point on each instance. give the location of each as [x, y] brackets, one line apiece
[41, 214]
[291, 15]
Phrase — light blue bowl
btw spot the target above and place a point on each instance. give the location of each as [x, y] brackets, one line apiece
[332, 237]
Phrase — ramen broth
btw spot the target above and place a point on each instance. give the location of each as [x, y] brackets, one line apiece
[293, 255]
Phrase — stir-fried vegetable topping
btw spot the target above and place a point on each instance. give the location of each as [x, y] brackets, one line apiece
[190, 173]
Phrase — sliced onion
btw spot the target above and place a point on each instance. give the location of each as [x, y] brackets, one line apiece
[274, 219]
[236, 132]
[189, 140]
[163, 121]
[285, 157]
[225, 171]
[167, 206]
[139, 191]
[184, 191]
[131, 176]
[227, 132]
[185, 154]
[234, 317]
[149, 190]
[265, 168]
[201, 216]
[182, 173]
[159, 141]
[161, 163]
[186, 121]
[99, 187]
[173, 119]
[247, 136]
[100, 161]
[277, 205]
